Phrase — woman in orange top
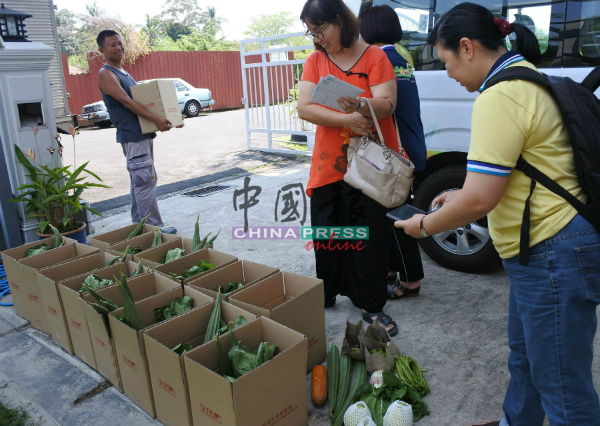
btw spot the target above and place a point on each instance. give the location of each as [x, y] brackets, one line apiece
[358, 274]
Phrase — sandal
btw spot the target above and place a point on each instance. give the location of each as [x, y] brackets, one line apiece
[382, 318]
[406, 292]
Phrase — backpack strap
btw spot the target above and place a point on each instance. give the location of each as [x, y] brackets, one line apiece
[519, 73]
[535, 175]
[592, 81]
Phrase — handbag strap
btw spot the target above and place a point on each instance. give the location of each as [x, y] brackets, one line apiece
[381, 141]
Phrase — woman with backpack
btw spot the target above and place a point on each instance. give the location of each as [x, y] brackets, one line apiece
[556, 289]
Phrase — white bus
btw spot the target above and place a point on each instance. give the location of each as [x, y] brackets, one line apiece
[569, 36]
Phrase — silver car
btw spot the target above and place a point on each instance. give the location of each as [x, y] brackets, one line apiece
[191, 99]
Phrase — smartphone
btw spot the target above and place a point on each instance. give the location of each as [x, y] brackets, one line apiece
[404, 212]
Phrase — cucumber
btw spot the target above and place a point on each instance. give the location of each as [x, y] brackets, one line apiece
[333, 369]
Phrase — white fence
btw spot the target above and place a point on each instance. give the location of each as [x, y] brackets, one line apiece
[270, 76]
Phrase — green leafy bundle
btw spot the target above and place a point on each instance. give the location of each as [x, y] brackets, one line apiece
[172, 255]
[139, 228]
[198, 268]
[133, 250]
[157, 239]
[232, 286]
[131, 317]
[94, 282]
[58, 241]
[408, 370]
[139, 269]
[182, 348]
[241, 360]
[178, 306]
[393, 388]
[198, 244]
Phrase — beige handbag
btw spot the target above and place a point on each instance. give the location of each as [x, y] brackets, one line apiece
[377, 171]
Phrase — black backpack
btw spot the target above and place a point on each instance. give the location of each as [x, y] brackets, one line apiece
[581, 115]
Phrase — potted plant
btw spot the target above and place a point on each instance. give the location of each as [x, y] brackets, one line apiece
[53, 196]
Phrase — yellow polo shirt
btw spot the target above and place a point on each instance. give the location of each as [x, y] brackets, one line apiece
[519, 117]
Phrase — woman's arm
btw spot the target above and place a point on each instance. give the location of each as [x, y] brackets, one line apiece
[321, 116]
[479, 195]
[383, 100]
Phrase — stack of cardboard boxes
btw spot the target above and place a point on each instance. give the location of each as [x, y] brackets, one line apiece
[280, 308]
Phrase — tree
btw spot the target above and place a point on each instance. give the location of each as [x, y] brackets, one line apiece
[185, 12]
[152, 31]
[70, 38]
[269, 25]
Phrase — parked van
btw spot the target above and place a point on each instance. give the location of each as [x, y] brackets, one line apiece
[569, 36]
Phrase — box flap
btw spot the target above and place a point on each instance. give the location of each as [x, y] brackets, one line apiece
[267, 294]
[17, 253]
[73, 268]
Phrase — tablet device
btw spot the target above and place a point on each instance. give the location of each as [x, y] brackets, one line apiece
[404, 212]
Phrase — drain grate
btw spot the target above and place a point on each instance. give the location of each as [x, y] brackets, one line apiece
[209, 190]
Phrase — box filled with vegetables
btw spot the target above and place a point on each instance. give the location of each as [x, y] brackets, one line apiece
[142, 244]
[246, 378]
[70, 291]
[97, 304]
[169, 340]
[48, 279]
[12, 268]
[128, 324]
[27, 278]
[103, 241]
[232, 278]
[293, 300]
[192, 265]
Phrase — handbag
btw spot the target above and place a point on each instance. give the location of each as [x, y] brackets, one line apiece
[377, 171]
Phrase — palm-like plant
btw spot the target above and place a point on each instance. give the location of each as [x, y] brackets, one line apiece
[53, 194]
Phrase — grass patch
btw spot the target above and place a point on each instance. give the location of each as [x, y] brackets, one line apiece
[15, 416]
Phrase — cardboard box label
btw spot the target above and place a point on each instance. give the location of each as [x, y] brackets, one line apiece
[52, 311]
[129, 363]
[16, 286]
[278, 417]
[166, 387]
[76, 324]
[100, 342]
[211, 414]
[33, 297]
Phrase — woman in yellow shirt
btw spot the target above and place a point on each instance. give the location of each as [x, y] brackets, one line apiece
[552, 304]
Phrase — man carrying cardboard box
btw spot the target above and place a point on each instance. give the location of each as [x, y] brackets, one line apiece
[115, 84]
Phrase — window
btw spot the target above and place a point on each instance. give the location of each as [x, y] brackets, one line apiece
[180, 87]
[582, 34]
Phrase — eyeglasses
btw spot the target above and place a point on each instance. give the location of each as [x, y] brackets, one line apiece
[318, 34]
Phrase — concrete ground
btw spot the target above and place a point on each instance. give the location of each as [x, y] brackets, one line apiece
[455, 329]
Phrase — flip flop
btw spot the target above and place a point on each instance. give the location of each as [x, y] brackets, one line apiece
[382, 318]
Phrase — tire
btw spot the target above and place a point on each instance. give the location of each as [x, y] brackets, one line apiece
[477, 253]
[192, 109]
[105, 124]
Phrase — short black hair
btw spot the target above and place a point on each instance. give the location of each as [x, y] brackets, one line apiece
[320, 12]
[102, 36]
[380, 24]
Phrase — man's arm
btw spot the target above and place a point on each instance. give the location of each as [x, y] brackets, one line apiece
[109, 84]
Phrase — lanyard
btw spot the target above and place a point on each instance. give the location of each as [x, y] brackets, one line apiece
[509, 61]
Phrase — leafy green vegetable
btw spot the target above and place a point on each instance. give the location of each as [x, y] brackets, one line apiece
[379, 399]
[37, 250]
[179, 305]
[132, 317]
[139, 269]
[232, 286]
[182, 348]
[157, 239]
[113, 261]
[132, 250]
[408, 370]
[94, 282]
[58, 241]
[198, 244]
[381, 351]
[172, 255]
[198, 268]
[239, 321]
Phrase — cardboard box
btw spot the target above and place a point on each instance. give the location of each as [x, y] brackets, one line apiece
[152, 257]
[160, 98]
[274, 390]
[143, 241]
[141, 288]
[293, 300]
[169, 385]
[103, 241]
[130, 347]
[13, 268]
[218, 258]
[76, 322]
[48, 278]
[242, 271]
[34, 302]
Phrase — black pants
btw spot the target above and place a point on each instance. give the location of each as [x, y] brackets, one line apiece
[405, 257]
[358, 274]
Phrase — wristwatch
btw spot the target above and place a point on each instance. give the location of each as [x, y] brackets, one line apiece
[423, 231]
[361, 104]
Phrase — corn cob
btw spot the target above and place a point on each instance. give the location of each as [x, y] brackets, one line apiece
[104, 301]
[157, 239]
[196, 239]
[112, 262]
[215, 320]
[138, 229]
[131, 313]
[212, 239]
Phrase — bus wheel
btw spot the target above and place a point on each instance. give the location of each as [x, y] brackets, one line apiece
[466, 249]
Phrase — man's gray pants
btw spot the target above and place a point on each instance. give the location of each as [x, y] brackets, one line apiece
[143, 179]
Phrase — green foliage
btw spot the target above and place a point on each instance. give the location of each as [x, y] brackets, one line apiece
[198, 268]
[15, 416]
[232, 286]
[37, 250]
[172, 255]
[241, 360]
[269, 25]
[53, 194]
[94, 282]
[178, 306]
[182, 348]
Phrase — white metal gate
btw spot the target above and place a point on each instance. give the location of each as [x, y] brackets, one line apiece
[270, 76]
